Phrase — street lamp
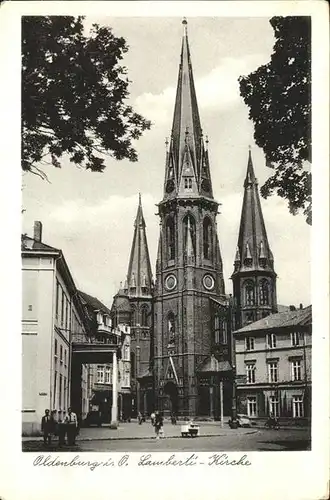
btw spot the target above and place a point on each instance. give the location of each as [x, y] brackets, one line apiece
[114, 408]
[136, 378]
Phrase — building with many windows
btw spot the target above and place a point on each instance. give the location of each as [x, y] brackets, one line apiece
[51, 310]
[273, 365]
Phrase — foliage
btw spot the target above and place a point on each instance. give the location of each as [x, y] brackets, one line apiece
[278, 95]
[73, 95]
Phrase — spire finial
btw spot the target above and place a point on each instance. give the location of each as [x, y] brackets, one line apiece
[140, 199]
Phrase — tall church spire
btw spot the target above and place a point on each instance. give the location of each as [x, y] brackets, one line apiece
[187, 167]
[254, 262]
[253, 246]
[139, 276]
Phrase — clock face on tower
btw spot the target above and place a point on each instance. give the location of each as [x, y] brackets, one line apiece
[208, 282]
[170, 282]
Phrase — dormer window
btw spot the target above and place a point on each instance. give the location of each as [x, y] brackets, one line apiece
[188, 183]
[248, 256]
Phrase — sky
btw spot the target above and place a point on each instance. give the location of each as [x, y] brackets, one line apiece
[90, 216]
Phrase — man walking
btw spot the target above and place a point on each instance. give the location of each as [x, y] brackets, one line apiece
[158, 424]
[71, 422]
[47, 427]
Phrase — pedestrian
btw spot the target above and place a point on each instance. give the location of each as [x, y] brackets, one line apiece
[47, 427]
[61, 431]
[158, 424]
[140, 418]
[152, 418]
[71, 422]
[173, 418]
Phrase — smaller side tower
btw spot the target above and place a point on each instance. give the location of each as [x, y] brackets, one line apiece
[134, 302]
[254, 278]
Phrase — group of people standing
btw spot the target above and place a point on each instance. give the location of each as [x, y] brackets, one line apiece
[68, 427]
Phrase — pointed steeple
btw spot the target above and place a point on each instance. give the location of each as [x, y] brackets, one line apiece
[253, 250]
[187, 167]
[139, 276]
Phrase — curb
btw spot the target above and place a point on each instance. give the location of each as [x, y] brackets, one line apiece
[153, 438]
[132, 438]
[254, 430]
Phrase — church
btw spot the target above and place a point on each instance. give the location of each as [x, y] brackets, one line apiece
[182, 319]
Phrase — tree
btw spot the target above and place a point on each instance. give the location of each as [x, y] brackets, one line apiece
[73, 95]
[278, 95]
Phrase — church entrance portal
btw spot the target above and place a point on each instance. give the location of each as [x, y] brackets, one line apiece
[171, 399]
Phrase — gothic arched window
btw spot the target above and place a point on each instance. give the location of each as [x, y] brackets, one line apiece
[189, 225]
[170, 238]
[144, 315]
[133, 316]
[216, 329]
[249, 293]
[171, 328]
[207, 238]
[264, 293]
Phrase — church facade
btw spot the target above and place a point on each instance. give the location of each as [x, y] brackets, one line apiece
[182, 351]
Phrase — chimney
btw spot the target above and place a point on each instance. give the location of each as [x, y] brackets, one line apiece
[37, 231]
[300, 306]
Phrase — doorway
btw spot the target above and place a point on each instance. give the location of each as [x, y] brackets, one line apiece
[171, 401]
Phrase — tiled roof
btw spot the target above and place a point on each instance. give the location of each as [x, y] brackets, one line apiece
[28, 243]
[298, 317]
[94, 302]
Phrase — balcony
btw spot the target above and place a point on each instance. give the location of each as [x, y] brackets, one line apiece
[108, 338]
[102, 328]
[98, 349]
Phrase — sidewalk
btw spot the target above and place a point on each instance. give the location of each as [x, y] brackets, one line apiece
[133, 430]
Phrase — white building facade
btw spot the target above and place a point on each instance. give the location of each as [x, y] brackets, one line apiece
[51, 310]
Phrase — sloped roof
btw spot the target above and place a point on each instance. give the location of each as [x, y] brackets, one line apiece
[121, 302]
[139, 275]
[253, 242]
[94, 302]
[28, 243]
[286, 319]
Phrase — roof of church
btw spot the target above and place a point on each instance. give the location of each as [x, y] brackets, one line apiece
[139, 275]
[95, 303]
[121, 302]
[285, 319]
[187, 167]
[253, 251]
